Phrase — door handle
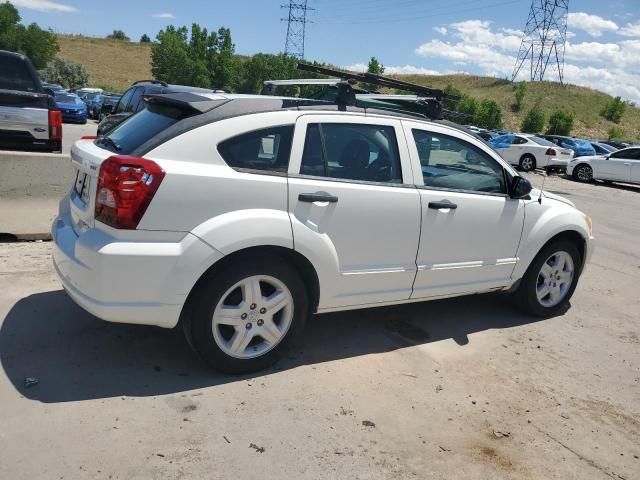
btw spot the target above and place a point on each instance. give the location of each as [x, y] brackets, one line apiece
[317, 197]
[439, 205]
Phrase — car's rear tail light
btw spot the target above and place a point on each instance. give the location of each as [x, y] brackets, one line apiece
[551, 151]
[55, 125]
[88, 137]
[126, 186]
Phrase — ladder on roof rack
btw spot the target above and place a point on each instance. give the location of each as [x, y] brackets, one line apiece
[427, 101]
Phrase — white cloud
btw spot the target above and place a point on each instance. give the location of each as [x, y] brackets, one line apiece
[630, 30]
[610, 67]
[440, 30]
[592, 24]
[164, 15]
[43, 5]
[398, 70]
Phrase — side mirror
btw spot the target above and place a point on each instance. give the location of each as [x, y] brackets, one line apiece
[520, 187]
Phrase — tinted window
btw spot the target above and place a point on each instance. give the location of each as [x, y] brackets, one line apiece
[15, 75]
[266, 149]
[519, 141]
[67, 98]
[139, 128]
[136, 103]
[450, 163]
[352, 152]
[629, 153]
[124, 101]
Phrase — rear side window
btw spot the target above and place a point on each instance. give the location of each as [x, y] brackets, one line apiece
[124, 101]
[136, 98]
[352, 151]
[266, 150]
[139, 128]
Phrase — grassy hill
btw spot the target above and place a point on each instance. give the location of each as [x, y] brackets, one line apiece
[111, 64]
[115, 65]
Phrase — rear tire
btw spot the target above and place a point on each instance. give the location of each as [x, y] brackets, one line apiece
[527, 163]
[245, 315]
[550, 280]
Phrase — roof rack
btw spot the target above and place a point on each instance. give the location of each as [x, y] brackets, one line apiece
[425, 101]
[158, 82]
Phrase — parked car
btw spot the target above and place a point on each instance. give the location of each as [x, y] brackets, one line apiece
[620, 166]
[102, 105]
[73, 109]
[602, 148]
[29, 117]
[615, 144]
[580, 147]
[530, 152]
[132, 101]
[238, 216]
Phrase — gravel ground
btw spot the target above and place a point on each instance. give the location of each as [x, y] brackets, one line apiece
[461, 388]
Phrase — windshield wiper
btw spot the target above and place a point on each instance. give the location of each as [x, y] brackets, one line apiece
[109, 141]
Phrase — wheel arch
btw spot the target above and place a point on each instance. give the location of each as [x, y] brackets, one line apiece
[572, 236]
[294, 258]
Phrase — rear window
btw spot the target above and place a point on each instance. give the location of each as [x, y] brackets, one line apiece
[542, 141]
[15, 75]
[140, 127]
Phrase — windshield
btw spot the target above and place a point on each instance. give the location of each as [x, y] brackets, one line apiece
[542, 141]
[68, 98]
[139, 128]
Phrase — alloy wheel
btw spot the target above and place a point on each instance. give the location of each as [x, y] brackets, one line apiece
[527, 164]
[584, 173]
[555, 279]
[252, 317]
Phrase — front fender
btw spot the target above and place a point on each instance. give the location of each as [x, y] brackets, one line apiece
[542, 223]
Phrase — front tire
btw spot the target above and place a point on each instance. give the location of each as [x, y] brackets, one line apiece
[550, 280]
[527, 163]
[583, 173]
[244, 315]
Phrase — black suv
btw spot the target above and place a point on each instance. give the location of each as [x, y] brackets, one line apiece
[132, 100]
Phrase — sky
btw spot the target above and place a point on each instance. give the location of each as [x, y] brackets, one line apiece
[408, 36]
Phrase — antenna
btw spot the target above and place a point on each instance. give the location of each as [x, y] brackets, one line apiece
[542, 188]
[296, 27]
[544, 39]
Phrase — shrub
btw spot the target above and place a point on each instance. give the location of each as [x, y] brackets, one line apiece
[145, 38]
[615, 133]
[521, 91]
[451, 90]
[467, 105]
[488, 115]
[66, 73]
[560, 122]
[118, 35]
[614, 110]
[534, 120]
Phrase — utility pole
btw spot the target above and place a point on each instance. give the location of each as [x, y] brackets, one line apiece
[296, 27]
[544, 39]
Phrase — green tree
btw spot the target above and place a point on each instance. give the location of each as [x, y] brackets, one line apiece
[534, 120]
[37, 44]
[488, 115]
[614, 110]
[560, 122]
[375, 66]
[118, 35]
[170, 57]
[451, 91]
[263, 66]
[225, 67]
[66, 73]
[467, 105]
[521, 91]
[145, 38]
[615, 133]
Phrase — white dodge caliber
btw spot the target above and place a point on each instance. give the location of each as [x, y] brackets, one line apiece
[237, 217]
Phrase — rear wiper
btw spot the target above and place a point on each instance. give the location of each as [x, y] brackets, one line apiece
[109, 141]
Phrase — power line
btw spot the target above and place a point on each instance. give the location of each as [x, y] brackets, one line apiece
[296, 27]
[544, 39]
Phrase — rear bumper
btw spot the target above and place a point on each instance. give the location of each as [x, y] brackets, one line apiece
[139, 282]
[23, 140]
[557, 163]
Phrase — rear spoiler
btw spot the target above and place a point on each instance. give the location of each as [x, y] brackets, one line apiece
[191, 102]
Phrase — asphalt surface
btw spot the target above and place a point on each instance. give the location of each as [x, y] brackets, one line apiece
[465, 388]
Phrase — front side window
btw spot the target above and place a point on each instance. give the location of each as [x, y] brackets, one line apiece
[266, 150]
[627, 154]
[352, 151]
[453, 164]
